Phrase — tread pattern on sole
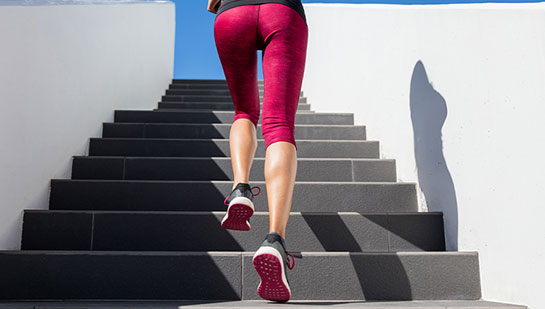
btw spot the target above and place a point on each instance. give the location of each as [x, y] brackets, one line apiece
[237, 217]
[269, 269]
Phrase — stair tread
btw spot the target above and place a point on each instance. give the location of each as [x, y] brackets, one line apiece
[256, 213]
[103, 275]
[225, 112]
[227, 158]
[234, 253]
[227, 124]
[386, 183]
[224, 139]
[407, 304]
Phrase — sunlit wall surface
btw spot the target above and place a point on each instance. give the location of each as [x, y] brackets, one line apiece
[196, 55]
[64, 69]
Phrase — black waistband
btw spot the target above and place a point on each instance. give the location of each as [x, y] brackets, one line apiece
[295, 4]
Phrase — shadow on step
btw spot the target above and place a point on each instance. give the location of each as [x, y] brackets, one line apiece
[381, 277]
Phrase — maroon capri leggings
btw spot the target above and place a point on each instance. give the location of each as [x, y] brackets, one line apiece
[282, 34]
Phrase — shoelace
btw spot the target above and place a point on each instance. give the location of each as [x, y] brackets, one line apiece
[288, 260]
[227, 204]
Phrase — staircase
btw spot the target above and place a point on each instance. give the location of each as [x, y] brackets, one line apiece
[139, 219]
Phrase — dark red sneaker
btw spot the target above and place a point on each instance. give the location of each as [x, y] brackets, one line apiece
[270, 262]
[240, 208]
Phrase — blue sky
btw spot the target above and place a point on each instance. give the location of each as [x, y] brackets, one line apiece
[196, 55]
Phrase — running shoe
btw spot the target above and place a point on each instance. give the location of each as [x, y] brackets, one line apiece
[240, 207]
[270, 262]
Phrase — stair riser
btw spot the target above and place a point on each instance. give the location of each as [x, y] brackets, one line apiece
[50, 230]
[119, 276]
[223, 130]
[222, 276]
[214, 106]
[299, 111]
[205, 92]
[377, 277]
[220, 169]
[261, 87]
[222, 117]
[225, 99]
[204, 196]
[220, 148]
[205, 81]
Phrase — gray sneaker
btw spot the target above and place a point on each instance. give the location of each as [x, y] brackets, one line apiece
[240, 207]
[270, 262]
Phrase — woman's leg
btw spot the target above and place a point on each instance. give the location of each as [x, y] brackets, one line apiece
[235, 37]
[284, 35]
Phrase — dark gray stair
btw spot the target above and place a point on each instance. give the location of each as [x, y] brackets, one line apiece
[177, 90]
[205, 81]
[299, 111]
[170, 147]
[365, 197]
[201, 86]
[50, 274]
[201, 168]
[216, 304]
[199, 116]
[201, 231]
[206, 98]
[140, 217]
[377, 276]
[222, 130]
[223, 106]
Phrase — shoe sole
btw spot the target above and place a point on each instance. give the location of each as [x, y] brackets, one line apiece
[239, 211]
[270, 268]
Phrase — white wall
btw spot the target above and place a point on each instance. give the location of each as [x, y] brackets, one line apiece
[63, 71]
[456, 94]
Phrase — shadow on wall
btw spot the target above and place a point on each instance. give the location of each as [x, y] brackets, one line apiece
[428, 114]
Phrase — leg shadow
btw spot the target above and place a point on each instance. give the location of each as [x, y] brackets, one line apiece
[428, 114]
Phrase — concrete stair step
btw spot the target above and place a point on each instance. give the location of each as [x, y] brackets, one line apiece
[202, 86]
[303, 304]
[202, 98]
[400, 304]
[219, 168]
[299, 111]
[69, 275]
[140, 220]
[222, 130]
[157, 195]
[208, 92]
[169, 147]
[202, 231]
[178, 81]
[221, 117]
[177, 90]
[227, 106]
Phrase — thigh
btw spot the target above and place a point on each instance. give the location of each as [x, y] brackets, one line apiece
[235, 38]
[285, 36]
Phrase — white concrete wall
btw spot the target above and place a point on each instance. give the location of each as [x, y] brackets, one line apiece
[63, 71]
[456, 94]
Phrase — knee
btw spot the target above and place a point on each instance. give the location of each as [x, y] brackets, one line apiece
[289, 140]
[278, 133]
[251, 116]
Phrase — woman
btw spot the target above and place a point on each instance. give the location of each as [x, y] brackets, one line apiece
[278, 28]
